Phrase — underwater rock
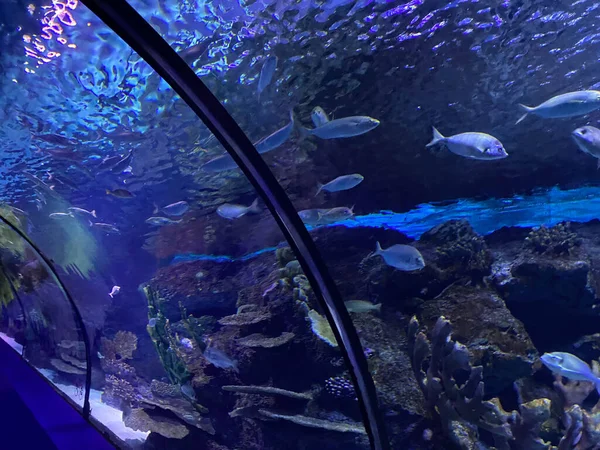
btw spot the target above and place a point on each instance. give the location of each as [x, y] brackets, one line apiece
[260, 340]
[65, 367]
[459, 249]
[495, 339]
[268, 390]
[245, 318]
[139, 420]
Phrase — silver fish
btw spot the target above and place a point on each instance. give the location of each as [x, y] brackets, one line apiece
[480, 146]
[60, 215]
[565, 105]
[123, 164]
[588, 140]
[361, 306]
[319, 117]
[311, 216]
[344, 128]
[232, 211]
[106, 227]
[334, 215]
[160, 221]
[570, 366]
[274, 140]
[83, 212]
[342, 183]
[174, 209]
[266, 144]
[114, 291]
[266, 73]
[219, 359]
[401, 257]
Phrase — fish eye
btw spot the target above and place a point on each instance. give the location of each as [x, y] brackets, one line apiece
[583, 131]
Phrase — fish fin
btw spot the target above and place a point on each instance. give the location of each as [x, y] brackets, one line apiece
[526, 109]
[254, 208]
[320, 186]
[111, 296]
[94, 213]
[437, 138]
[378, 249]
[378, 307]
[156, 209]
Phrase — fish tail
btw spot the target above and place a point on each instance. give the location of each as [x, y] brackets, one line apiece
[378, 249]
[94, 213]
[254, 208]
[320, 187]
[378, 307]
[437, 138]
[526, 109]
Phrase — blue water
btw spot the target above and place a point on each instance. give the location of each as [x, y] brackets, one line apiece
[485, 216]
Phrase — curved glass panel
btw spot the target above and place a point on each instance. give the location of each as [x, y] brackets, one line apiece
[490, 227]
[205, 331]
[36, 318]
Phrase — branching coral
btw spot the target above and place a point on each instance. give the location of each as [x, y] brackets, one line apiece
[121, 347]
[557, 240]
[463, 412]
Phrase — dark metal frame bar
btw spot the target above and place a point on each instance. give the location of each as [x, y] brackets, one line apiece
[76, 313]
[143, 39]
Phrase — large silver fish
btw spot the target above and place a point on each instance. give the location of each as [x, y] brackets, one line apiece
[565, 105]
[232, 211]
[401, 257]
[334, 215]
[319, 117]
[588, 140]
[471, 145]
[345, 127]
[266, 73]
[342, 183]
[570, 366]
[266, 144]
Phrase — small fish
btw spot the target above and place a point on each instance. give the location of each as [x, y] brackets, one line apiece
[266, 73]
[342, 183]
[319, 117]
[174, 209]
[83, 212]
[123, 164]
[565, 105]
[114, 291]
[570, 366]
[471, 145]
[120, 193]
[344, 128]
[219, 359]
[360, 306]
[107, 227]
[160, 221]
[232, 211]
[588, 140]
[274, 140]
[60, 215]
[220, 163]
[108, 162]
[64, 181]
[401, 257]
[334, 215]
[188, 391]
[56, 139]
[187, 343]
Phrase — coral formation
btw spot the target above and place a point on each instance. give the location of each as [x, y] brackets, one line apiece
[138, 419]
[260, 340]
[459, 248]
[556, 240]
[268, 390]
[340, 387]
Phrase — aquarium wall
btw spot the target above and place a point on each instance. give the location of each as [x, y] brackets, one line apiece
[367, 214]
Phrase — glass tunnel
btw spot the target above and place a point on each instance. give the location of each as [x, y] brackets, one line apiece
[237, 225]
